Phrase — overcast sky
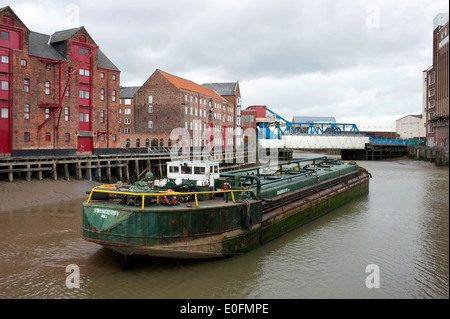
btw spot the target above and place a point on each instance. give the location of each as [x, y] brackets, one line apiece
[359, 61]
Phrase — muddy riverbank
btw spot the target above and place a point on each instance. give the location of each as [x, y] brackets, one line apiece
[21, 194]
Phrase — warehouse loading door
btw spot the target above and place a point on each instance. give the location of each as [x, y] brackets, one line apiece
[5, 127]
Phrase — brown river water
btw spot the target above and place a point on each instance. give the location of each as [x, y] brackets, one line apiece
[401, 227]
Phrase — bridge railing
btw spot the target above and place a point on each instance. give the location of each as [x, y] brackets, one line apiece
[276, 130]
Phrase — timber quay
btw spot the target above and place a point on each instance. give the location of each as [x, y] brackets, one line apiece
[437, 155]
[109, 168]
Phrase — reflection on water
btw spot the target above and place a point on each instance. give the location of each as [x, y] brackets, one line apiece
[402, 226]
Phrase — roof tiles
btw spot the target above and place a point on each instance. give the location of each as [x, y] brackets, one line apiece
[191, 86]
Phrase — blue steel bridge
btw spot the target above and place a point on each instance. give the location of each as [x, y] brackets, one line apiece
[276, 131]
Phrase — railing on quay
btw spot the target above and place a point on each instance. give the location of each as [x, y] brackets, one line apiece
[390, 141]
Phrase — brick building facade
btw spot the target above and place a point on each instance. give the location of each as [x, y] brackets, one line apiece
[59, 93]
[231, 92]
[166, 102]
[437, 99]
[248, 123]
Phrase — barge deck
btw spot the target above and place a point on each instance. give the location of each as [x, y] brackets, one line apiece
[207, 214]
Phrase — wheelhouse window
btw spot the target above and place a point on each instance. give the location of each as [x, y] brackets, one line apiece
[174, 169]
[199, 170]
[186, 169]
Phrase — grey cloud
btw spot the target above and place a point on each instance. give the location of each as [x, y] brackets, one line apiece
[341, 63]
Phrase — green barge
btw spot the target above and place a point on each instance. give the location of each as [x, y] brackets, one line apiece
[197, 212]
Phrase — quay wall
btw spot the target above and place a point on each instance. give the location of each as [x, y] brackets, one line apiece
[437, 155]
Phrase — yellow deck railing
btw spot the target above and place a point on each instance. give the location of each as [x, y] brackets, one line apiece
[103, 189]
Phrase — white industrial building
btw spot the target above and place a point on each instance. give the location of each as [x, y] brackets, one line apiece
[411, 127]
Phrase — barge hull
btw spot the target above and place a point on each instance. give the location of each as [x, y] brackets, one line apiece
[284, 219]
[274, 223]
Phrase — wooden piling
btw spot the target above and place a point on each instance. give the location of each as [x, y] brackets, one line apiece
[28, 173]
[136, 169]
[120, 170]
[108, 171]
[55, 173]
[39, 173]
[78, 170]
[66, 172]
[88, 171]
[10, 174]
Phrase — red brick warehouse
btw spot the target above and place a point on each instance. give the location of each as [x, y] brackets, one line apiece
[164, 102]
[59, 93]
[438, 85]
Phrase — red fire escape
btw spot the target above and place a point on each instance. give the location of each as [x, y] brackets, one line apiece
[62, 93]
